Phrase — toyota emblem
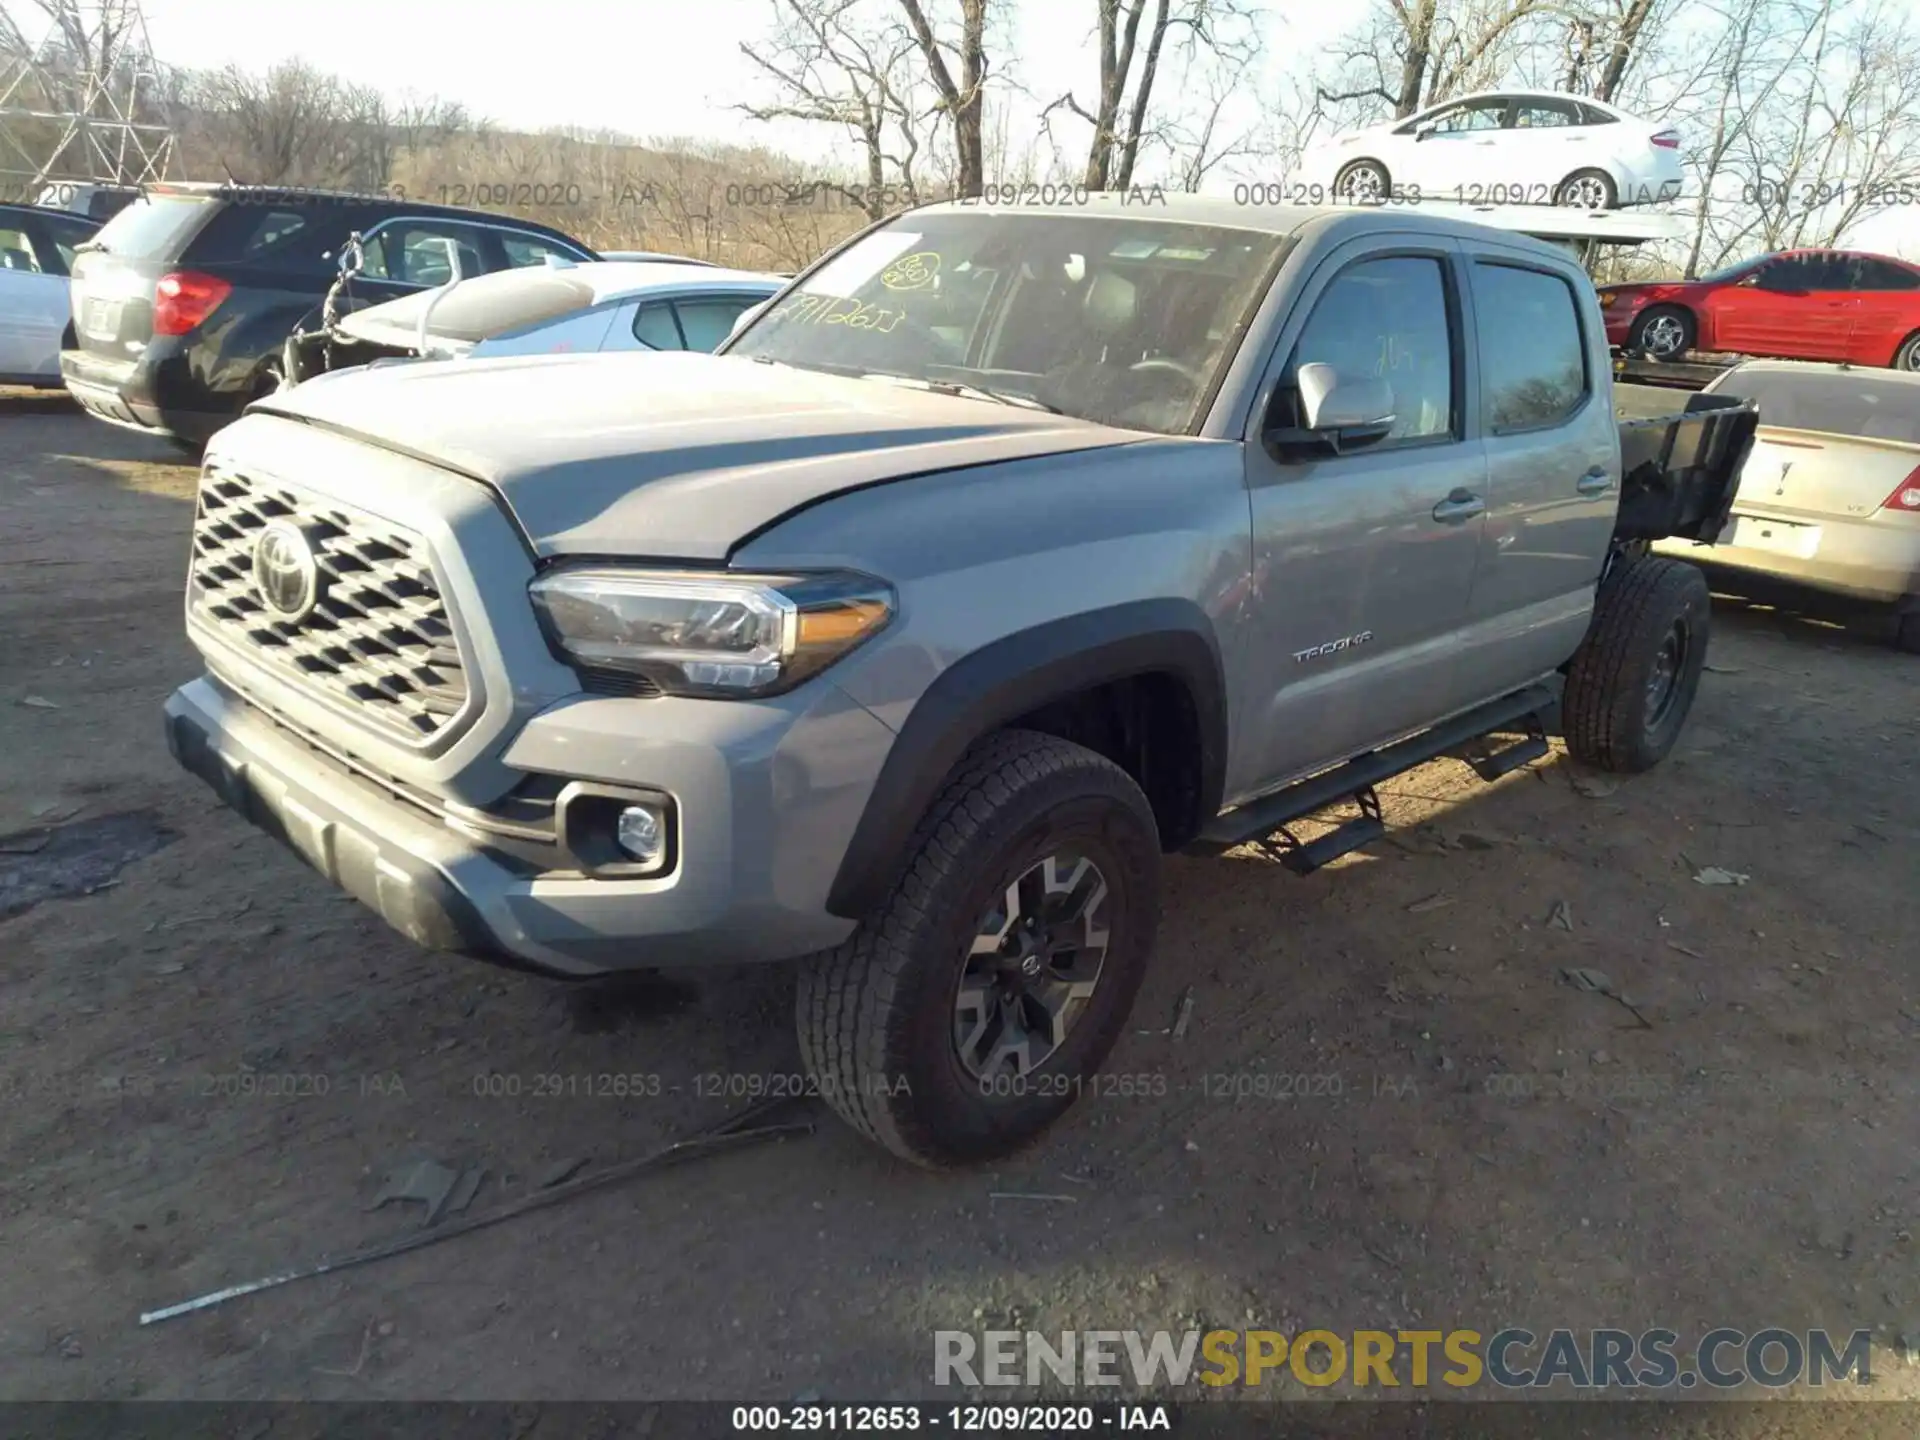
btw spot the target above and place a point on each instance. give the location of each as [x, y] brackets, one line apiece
[285, 571]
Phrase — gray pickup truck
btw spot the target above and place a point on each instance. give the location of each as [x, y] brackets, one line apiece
[1006, 551]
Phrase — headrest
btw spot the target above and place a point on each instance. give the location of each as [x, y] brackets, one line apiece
[1112, 304]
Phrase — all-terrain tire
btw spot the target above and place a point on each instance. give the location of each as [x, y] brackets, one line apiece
[1632, 682]
[876, 1014]
[1906, 631]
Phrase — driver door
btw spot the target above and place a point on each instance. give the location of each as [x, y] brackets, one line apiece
[1789, 307]
[1363, 563]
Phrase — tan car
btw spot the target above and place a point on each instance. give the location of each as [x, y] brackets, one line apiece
[1830, 496]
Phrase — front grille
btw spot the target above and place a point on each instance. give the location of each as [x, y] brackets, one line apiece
[378, 637]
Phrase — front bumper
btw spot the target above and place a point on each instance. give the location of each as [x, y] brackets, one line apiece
[754, 848]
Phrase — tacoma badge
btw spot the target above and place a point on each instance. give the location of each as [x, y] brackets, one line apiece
[1332, 647]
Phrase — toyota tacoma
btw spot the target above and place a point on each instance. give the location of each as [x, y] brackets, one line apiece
[1006, 551]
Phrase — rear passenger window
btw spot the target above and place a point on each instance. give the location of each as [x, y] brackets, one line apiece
[654, 328]
[1386, 320]
[1533, 357]
[705, 323]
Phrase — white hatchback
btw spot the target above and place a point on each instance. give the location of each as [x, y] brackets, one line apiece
[1511, 147]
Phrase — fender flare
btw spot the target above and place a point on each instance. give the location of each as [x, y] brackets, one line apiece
[1013, 676]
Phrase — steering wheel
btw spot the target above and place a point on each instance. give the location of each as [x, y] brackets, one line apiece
[1161, 365]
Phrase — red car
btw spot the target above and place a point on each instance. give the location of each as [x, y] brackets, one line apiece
[1798, 305]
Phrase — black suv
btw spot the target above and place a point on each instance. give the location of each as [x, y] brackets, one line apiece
[183, 300]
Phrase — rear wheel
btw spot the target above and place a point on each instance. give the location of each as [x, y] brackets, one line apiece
[1588, 190]
[969, 1012]
[1665, 332]
[1633, 680]
[1363, 182]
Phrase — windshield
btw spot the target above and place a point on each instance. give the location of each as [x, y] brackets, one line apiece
[1122, 321]
[1733, 272]
[152, 227]
[489, 305]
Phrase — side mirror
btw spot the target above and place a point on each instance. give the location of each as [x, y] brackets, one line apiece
[746, 317]
[353, 255]
[1425, 129]
[1337, 415]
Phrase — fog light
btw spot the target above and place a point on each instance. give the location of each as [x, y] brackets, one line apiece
[642, 834]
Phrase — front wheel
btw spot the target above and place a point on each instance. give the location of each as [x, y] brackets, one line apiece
[1665, 332]
[1363, 182]
[1632, 682]
[1907, 357]
[966, 1015]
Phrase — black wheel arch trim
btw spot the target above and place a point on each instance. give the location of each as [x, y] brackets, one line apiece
[1014, 676]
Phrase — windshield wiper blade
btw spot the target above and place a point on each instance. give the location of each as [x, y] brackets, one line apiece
[966, 390]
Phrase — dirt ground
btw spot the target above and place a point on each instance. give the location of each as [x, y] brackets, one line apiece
[1475, 1141]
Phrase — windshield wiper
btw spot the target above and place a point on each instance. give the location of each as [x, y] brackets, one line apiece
[967, 391]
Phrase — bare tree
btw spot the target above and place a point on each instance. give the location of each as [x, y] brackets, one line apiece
[1124, 118]
[1411, 53]
[964, 100]
[835, 62]
[291, 126]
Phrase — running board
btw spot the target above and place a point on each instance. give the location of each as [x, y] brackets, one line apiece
[1356, 779]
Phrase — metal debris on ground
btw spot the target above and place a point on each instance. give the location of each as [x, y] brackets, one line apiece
[1676, 945]
[733, 1133]
[559, 1171]
[1560, 917]
[1598, 982]
[426, 1181]
[1594, 787]
[1432, 902]
[1021, 1195]
[39, 702]
[1183, 1013]
[1714, 875]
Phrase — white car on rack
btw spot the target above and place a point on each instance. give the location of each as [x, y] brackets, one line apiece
[1508, 147]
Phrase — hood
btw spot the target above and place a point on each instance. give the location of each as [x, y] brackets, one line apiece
[670, 456]
[391, 333]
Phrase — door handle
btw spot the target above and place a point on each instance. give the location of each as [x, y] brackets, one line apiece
[1459, 507]
[1594, 482]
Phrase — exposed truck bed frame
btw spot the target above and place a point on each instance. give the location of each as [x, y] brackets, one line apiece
[1679, 473]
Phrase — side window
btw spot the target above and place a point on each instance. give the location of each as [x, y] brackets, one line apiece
[653, 327]
[414, 252]
[524, 250]
[1471, 118]
[67, 238]
[705, 323]
[1542, 115]
[1534, 374]
[1385, 319]
[1874, 274]
[1788, 276]
[16, 251]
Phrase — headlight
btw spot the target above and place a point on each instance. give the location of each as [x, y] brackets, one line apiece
[709, 634]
